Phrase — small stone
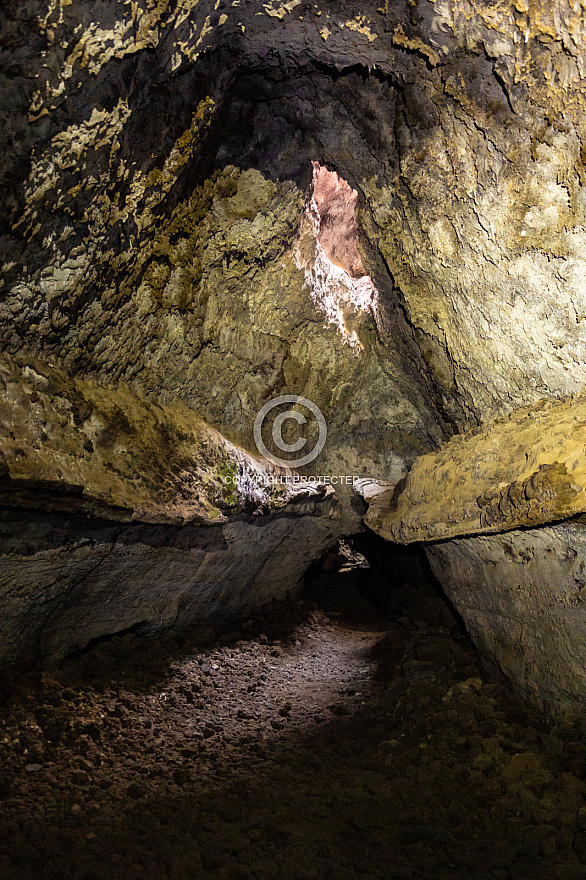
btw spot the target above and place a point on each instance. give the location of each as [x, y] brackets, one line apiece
[339, 709]
[76, 808]
[32, 768]
[206, 668]
[471, 685]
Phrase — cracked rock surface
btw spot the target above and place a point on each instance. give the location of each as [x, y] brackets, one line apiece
[145, 150]
[522, 470]
[522, 596]
[520, 592]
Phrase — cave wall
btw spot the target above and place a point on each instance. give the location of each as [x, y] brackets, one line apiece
[120, 513]
[178, 259]
[65, 581]
[159, 236]
[480, 504]
[522, 597]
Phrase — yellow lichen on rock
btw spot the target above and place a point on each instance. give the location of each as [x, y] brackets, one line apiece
[280, 11]
[109, 451]
[359, 25]
[523, 470]
[139, 27]
[400, 38]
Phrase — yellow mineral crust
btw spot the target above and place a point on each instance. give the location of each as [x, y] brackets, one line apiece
[526, 469]
[110, 451]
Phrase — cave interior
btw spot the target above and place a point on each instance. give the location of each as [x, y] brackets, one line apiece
[292, 439]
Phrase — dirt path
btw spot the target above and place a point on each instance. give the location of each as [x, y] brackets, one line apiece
[212, 711]
[350, 747]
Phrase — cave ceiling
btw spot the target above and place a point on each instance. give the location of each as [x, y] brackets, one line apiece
[157, 167]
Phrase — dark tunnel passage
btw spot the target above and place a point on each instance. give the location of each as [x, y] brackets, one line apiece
[351, 733]
[382, 574]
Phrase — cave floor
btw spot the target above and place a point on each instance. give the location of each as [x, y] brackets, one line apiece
[343, 743]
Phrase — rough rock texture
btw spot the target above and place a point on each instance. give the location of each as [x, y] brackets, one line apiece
[522, 596]
[460, 126]
[175, 260]
[335, 204]
[521, 593]
[525, 469]
[162, 232]
[66, 579]
[116, 512]
[306, 752]
[110, 452]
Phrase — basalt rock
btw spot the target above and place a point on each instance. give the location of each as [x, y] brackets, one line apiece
[520, 471]
[378, 207]
[522, 595]
[157, 163]
[119, 513]
[112, 453]
[520, 592]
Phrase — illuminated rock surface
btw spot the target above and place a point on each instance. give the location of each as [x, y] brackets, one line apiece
[209, 204]
[379, 207]
[522, 596]
[326, 747]
[522, 470]
[521, 593]
[119, 513]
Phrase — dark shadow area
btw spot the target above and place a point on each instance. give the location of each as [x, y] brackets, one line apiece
[392, 575]
[393, 580]
[136, 655]
[359, 745]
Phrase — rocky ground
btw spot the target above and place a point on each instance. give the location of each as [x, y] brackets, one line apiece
[325, 740]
